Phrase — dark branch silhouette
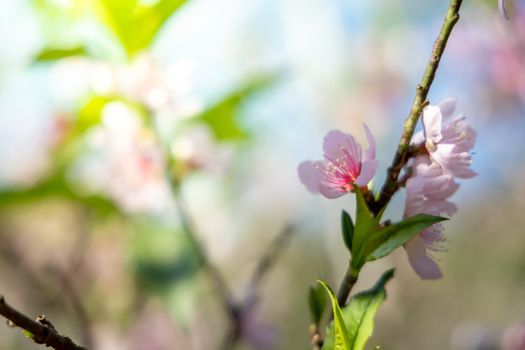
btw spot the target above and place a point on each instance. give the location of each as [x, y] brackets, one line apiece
[41, 331]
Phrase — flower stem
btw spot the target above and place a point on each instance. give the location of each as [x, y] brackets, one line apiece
[420, 101]
[348, 282]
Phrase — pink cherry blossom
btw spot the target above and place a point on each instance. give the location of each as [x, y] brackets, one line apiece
[427, 191]
[448, 139]
[344, 165]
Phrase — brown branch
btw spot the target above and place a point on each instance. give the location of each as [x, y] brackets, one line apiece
[420, 101]
[42, 331]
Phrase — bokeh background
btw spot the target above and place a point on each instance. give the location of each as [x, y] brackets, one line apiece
[97, 95]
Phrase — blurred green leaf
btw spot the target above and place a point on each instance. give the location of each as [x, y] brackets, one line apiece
[339, 337]
[136, 25]
[392, 237]
[56, 186]
[53, 54]
[359, 315]
[316, 302]
[222, 117]
[347, 229]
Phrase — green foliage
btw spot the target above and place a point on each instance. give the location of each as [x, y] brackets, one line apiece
[222, 117]
[365, 226]
[372, 241]
[347, 229]
[394, 236]
[56, 186]
[134, 24]
[359, 315]
[339, 335]
[53, 54]
[317, 302]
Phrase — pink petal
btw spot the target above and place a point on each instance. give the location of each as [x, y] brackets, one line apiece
[440, 187]
[453, 163]
[368, 170]
[329, 192]
[370, 153]
[311, 178]
[438, 207]
[423, 265]
[432, 123]
[336, 140]
[447, 107]
[414, 196]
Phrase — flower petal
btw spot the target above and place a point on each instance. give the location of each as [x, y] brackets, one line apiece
[370, 153]
[335, 141]
[368, 170]
[311, 178]
[447, 107]
[423, 265]
[432, 123]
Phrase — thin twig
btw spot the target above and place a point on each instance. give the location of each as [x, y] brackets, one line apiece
[42, 331]
[391, 184]
[266, 262]
[214, 274]
[264, 265]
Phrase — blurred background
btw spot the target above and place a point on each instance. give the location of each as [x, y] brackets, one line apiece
[102, 100]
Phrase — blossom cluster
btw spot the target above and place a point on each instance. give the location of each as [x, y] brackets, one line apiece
[444, 154]
[447, 141]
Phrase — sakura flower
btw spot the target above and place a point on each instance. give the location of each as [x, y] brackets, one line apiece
[344, 165]
[448, 139]
[427, 191]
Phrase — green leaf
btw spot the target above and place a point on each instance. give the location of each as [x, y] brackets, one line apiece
[222, 117]
[53, 54]
[359, 314]
[339, 338]
[152, 19]
[394, 236]
[364, 227]
[347, 229]
[316, 302]
[136, 25]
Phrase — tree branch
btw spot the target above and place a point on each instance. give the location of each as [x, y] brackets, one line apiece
[42, 331]
[420, 101]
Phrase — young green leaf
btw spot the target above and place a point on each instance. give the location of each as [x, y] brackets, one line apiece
[222, 117]
[347, 229]
[359, 314]
[317, 302]
[365, 226]
[394, 236]
[339, 336]
[136, 25]
[53, 54]
[364, 223]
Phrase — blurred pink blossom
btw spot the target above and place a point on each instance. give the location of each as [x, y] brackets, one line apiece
[514, 338]
[161, 88]
[344, 165]
[124, 161]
